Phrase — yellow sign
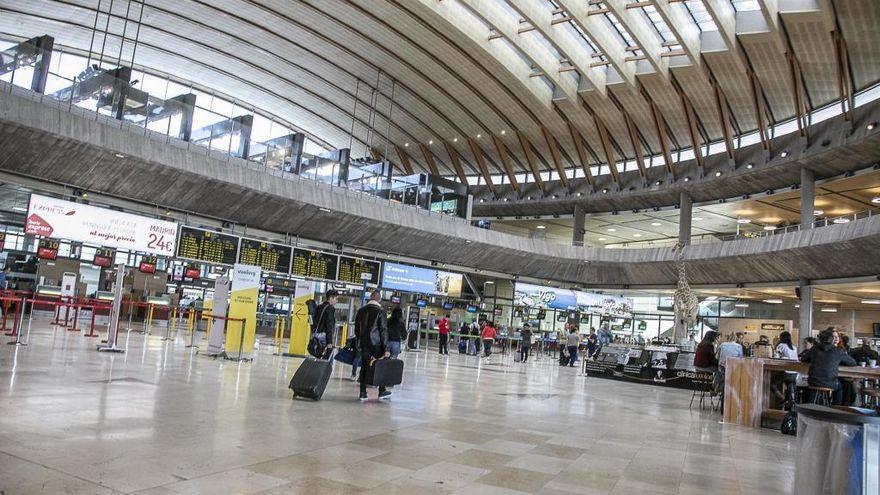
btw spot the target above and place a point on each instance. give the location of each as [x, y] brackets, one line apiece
[242, 305]
[300, 331]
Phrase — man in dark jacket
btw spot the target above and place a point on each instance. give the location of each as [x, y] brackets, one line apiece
[864, 353]
[324, 321]
[825, 359]
[371, 329]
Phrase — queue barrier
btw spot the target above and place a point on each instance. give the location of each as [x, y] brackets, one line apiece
[68, 305]
[278, 341]
[17, 316]
[243, 322]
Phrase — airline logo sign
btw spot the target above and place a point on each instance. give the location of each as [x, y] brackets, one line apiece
[50, 217]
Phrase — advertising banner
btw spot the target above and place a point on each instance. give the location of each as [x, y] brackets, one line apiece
[536, 296]
[243, 305]
[50, 217]
[421, 280]
[299, 318]
[218, 308]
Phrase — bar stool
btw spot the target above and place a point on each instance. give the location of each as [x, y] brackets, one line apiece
[871, 397]
[822, 395]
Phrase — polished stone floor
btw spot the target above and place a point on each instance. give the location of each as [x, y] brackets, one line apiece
[162, 419]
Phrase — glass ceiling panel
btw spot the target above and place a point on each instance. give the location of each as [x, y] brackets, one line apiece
[745, 5]
[701, 15]
[660, 25]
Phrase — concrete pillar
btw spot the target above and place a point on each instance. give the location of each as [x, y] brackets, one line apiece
[805, 312]
[577, 234]
[685, 212]
[808, 197]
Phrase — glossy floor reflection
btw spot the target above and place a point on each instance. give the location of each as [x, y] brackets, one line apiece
[161, 419]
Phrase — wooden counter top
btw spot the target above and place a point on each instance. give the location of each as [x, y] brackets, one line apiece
[747, 385]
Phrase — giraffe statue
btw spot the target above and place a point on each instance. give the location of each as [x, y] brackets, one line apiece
[684, 300]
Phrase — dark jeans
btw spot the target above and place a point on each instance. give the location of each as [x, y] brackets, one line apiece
[524, 353]
[572, 354]
[444, 341]
[366, 371]
[487, 347]
[355, 363]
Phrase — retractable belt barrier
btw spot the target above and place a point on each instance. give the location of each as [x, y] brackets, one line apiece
[243, 321]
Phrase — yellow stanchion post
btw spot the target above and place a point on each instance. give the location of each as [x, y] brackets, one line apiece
[173, 317]
[191, 321]
[208, 326]
[277, 327]
[282, 324]
[150, 319]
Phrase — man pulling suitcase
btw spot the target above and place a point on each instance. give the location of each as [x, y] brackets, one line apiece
[371, 330]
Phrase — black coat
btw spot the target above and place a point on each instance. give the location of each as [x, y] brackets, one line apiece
[825, 359]
[325, 321]
[371, 315]
[396, 330]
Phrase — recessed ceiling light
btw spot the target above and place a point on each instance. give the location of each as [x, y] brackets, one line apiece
[773, 301]
[741, 305]
[467, 241]
[580, 194]
[488, 282]
[529, 198]
[870, 301]
[430, 141]
[841, 220]
[406, 145]
[637, 235]
[482, 200]
[828, 310]
[602, 239]
[605, 191]
[541, 227]
[553, 196]
[687, 179]
[325, 210]
[876, 200]
[769, 227]
[19, 208]
[479, 136]
[697, 219]
[871, 126]
[718, 174]
[743, 221]
[455, 140]
[818, 212]
[659, 182]
[784, 154]
[503, 132]
[750, 166]
[656, 224]
[120, 155]
[612, 230]
[506, 200]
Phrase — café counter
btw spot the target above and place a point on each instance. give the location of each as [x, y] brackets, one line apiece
[749, 393]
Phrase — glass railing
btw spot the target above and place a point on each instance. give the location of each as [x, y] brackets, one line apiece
[119, 94]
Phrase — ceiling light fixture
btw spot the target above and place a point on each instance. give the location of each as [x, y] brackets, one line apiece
[687, 179]
[697, 219]
[871, 126]
[658, 182]
[529, 198]
[718, 174]
[120, 155]
[773, 301]
[430, 141]
[769, 227]
[841, 220]
[876, 200]
[580, 194]
[19, 208]
[482, 200]
[828, 310]
[406, 145]
[870, 301]
[503, 132]
[818, 213]
[605, 191]
[325, 210]
[637, 235]
[743, 221]
[784, 154]
[612, 230]
[479, 136]
[602, 239]
[741, 305]
[750, 166]
[455, 140]
[541, 227]
[506, 200]
[656, 224]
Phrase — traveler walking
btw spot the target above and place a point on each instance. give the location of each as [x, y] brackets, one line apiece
[525, 344]
[488, 336]
[371, 329]
[592, 344]
[476, 329]
[324, 326]
[572, 341]
[443, 334]
[396, 331]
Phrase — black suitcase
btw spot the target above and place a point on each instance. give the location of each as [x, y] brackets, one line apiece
[387, 373]
[311, 378]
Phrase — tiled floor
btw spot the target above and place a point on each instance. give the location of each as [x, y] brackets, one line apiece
[161, 419]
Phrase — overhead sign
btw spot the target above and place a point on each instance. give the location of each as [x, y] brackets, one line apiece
[421, 280]
[357, 270]
[50, 217]
[208, 246]
[148, 264]
[47, 249]
[104, 257]
[536, 296]
[314, 264]
[268, 256]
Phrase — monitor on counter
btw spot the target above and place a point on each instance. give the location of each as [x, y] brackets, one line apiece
[876, 329]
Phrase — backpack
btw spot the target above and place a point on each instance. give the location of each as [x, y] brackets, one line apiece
[789, 424]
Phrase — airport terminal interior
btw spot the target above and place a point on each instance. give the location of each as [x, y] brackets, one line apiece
[440, 246]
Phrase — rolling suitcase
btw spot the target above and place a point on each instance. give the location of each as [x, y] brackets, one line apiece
[311, 378]
[387, 373]
[462, 346]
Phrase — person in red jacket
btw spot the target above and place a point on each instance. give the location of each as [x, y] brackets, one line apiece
[443, 329]
[488, 336]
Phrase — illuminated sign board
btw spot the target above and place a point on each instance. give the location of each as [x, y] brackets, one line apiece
[207, 246]
[268, 256]
[421, 280]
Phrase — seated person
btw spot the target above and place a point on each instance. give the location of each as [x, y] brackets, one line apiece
[762, 348]
[825, 359]
[705, 360]
[864, 353]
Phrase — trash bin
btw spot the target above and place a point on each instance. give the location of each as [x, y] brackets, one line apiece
[838, 451]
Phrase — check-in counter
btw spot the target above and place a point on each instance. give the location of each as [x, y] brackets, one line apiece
[749, 396]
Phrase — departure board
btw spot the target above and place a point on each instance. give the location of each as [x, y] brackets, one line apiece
[268, 256]
[314, 264]
[207, 246]
[350, 270]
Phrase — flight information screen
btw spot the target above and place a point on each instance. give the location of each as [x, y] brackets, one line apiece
[351, 269]
[204, 245]
[268, 256]
[314, 264]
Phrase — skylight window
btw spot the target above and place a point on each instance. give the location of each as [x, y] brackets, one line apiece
[700, 15]
[745, 5]
[660, 27]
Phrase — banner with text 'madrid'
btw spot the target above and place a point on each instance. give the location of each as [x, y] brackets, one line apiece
[243, 296]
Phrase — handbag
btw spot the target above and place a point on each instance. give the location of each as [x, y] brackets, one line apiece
[789, 424]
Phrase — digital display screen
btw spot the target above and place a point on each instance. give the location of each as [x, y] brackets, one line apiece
[352, 269]
[268, 256]
[421, 280]
[148, 264]
[448, 305]
[395, 299]
[421, 303]
[207, 246]
[471, 309]
[104, 257]
[192, 271]
[314, 264]
[47, 249]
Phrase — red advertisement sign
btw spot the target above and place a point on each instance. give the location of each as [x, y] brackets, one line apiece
[47, 249]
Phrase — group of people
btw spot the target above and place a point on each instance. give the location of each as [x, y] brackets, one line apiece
[825, 354]
[477, 336]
